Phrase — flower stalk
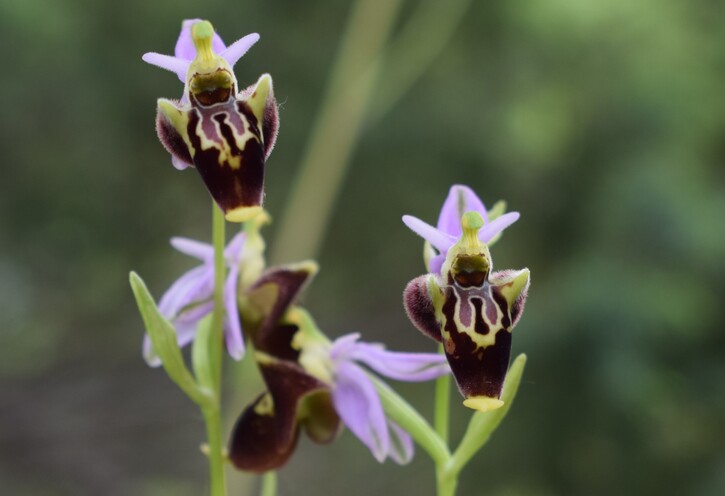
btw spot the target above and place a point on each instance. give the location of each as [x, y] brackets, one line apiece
[442, 404]
[212, 412]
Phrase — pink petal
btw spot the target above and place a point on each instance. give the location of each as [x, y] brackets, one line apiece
[461, 199]
[410, 367]
[401, 444]
[343, 345]
[179, 164]
[236, 50]
[194, 286]
[193, 248]
[358, 405]
[440, 240]
[436, 263]
[232, 326]
[185, 48]
[173, 64]
[233, 251]
[497, 225]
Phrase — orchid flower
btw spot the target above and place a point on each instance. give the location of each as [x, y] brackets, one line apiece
[190, 298]
[313, 384]
[472, 311]
[227, 134]
[185, 53]
[460, 199]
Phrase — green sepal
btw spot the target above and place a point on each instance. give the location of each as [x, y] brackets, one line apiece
[482, 425]
[200, 354]
[164, 340]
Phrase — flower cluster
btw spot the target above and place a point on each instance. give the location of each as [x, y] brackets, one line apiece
[312, 383]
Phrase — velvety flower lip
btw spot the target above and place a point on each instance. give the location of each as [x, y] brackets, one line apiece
[460, 199]
[190, 298]
[184, 54]
[357, 401]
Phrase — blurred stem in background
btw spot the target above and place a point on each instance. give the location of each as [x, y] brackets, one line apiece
[366, 64]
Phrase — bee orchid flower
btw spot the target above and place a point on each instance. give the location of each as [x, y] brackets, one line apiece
[227, 134]
[472, 311]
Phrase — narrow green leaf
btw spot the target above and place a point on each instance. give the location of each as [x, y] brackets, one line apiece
[163, 338]
[200, 354]
[482, 425]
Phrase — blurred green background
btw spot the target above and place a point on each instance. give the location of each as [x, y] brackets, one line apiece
[602, 122]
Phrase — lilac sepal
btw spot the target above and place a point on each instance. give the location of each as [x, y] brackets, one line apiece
[190, 298]
[185, 51]
[449, 220]
[491, 229]
[185, 48]
[460, 199]
[239, 48]
[176, 65]
[401, 444]
[358, 405]
[357, 402]
[440, 240]
[409, 367]
[177, 162]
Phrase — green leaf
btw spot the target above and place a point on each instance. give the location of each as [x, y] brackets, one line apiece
[163, 338]
[200, 354]
[482, 425]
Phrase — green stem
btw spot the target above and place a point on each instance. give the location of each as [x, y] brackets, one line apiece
[269, 484]
[420, 42]
[218, 239]
[442, 404]
[211, 413]
[217, 485]
[336, 129]
[410, 420]
[446, 482]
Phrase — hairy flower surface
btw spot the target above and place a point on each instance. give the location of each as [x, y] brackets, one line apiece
[190, 298]
[227, 134]
[460, 199]
[472, 311]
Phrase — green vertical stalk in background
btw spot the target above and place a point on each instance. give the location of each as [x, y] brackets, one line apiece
[357, 75]
[442, 404]
[336, 130]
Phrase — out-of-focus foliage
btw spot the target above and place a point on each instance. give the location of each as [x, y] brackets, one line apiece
[603, 123]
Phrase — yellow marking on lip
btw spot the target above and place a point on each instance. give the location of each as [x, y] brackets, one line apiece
[242, 214]
[482, 403]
